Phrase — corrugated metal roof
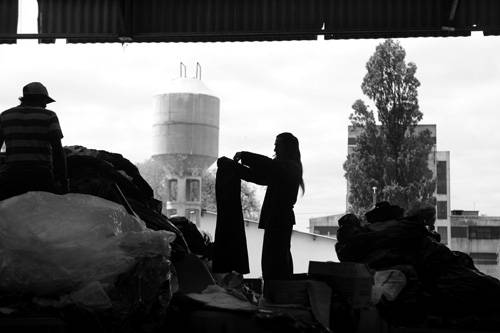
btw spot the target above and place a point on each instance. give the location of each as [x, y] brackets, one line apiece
[186, 20]
[257, 20]
[103, 19]
[480, 14]
[411, 18]
[391, 18]
[229, 19]
[8, 19]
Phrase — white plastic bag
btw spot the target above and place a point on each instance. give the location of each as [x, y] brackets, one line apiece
[91, 295]
[54, 244]
[387, 283]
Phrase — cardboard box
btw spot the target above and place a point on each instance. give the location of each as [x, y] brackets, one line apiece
[286, 292]
[353, 281]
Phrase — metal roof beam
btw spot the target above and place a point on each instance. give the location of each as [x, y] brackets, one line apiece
[9, 13]
[120, 21]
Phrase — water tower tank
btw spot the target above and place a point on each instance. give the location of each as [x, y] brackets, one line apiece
[185, 141]
[186, 127]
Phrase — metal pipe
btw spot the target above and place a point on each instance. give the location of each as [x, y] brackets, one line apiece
[180, 36]
[182, 66]
[198, 71]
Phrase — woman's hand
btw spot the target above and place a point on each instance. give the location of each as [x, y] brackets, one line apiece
[237, 156]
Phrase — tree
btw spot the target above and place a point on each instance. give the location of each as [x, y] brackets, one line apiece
[156, 175]
[390, 155]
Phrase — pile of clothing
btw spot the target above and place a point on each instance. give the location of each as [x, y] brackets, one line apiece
[111, 176]
[140, 278]
[98, 172]
[443, 287]
[152, 283]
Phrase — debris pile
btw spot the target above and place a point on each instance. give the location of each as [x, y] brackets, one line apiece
[442, 288]
[85, 250]
[103, 258]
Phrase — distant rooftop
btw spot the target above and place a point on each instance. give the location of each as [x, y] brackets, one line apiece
[459, 212]
[354, 132]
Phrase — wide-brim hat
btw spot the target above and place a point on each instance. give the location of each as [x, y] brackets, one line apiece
[36, 90]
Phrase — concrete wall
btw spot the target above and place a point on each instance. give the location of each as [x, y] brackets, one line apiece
[493, 270]
[329, 220]
[469, 245]
[325, 225]
[305, 246]
[444, 156]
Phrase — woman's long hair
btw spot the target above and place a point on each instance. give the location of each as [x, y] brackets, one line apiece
[290, 150]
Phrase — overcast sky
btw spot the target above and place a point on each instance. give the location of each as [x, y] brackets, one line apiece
[104, 95]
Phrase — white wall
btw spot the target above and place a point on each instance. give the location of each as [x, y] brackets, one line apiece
[305, 246]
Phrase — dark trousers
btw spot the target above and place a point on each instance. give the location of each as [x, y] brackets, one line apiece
[16, 181]
[277, 263]
[230, 243]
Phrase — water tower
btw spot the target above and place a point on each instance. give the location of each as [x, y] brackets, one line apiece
[186, 140]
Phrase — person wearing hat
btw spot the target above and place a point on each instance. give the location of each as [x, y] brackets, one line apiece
[34, 156]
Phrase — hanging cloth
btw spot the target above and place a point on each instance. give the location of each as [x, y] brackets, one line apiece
[230, 244]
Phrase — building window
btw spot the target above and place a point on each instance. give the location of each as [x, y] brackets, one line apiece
[172, 190]
[484, 258]
[193, 190]
[458, 232]
[442, 210]
[483, 232]
[442, 187]
[443, 233]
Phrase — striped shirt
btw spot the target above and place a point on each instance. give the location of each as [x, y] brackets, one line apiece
[28, 132]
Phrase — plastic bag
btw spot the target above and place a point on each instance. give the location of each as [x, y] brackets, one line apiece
[387, 283]
[53, 244]
[91, 296]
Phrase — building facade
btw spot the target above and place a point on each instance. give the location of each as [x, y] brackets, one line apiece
[325, 225]
[479, 237]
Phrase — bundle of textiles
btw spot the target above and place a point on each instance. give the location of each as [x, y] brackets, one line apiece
[440, 282]
[99, 173]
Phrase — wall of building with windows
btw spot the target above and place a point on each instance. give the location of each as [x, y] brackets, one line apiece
[184, 198]
[478, 236]
[441, 170]
[325, 225]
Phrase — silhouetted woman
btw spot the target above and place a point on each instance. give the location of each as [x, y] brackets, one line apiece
[283, 177]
